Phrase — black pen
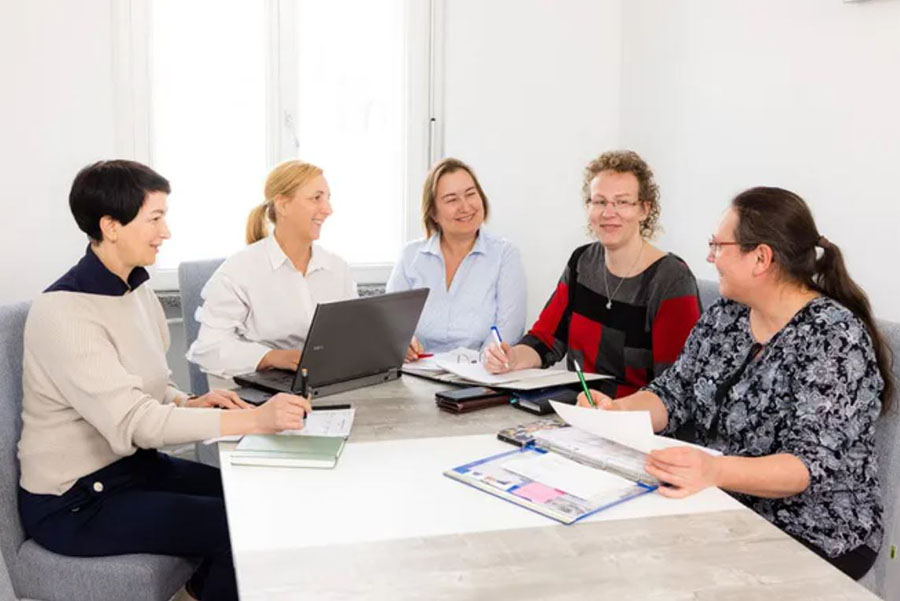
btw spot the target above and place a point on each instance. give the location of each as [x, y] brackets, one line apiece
[304, 386]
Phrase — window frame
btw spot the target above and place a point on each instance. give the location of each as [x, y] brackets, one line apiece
[133, 89]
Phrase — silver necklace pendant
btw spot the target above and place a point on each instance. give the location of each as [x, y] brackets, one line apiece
[621, 280]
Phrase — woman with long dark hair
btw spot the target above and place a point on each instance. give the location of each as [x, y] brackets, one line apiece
[786, 376]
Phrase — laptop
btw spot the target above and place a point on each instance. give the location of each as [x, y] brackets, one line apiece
[350, 344]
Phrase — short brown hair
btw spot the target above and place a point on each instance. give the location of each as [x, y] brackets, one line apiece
[628, 161]
[429, 191]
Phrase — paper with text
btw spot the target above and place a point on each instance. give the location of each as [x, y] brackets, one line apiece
[630, 428]
[460, 355]
[568, 476]
[325, 423]
[477, 373]
[319, 423]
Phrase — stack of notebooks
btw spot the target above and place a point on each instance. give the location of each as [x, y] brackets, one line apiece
[319, 444]
[538, 401]
[564, 472]
[273, 450]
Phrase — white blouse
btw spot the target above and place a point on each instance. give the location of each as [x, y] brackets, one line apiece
[257, 301]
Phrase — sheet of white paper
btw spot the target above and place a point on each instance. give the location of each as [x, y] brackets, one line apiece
[566, 475]
[664, 442]
[551, 377]
[477, 373]
[631, 428]
[319, 423]
[326, 423]
[460, 355]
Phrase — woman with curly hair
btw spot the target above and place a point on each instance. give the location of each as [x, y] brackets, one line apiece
[622, 306]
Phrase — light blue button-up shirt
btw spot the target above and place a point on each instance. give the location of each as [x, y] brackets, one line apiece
[488, 289]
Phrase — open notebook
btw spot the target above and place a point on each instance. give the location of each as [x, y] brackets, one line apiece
[548, 483]
[568, 473]
[571, 472]
[462, 366]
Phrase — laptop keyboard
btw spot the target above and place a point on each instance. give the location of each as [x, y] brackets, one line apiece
[283, 379]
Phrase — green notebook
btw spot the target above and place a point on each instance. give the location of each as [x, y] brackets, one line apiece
[288, 451]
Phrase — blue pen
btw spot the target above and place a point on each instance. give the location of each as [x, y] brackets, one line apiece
[499, 341]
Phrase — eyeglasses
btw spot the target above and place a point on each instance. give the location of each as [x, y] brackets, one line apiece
[614, 206]
[715, 247]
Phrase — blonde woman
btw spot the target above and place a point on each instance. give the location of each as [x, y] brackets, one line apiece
[476, 280]
[258, 305]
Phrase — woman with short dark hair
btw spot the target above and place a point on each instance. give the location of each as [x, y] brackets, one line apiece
[97, 400]
[786, 376]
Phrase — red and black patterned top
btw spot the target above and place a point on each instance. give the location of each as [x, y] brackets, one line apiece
[636, 339]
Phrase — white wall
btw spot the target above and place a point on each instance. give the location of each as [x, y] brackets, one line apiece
[531, 94]
[718, 95]
[56, 115]
[803, 94]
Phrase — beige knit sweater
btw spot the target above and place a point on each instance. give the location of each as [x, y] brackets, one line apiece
[96, 387]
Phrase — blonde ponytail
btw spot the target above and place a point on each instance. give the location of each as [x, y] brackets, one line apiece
[283, 180]
[257, 228]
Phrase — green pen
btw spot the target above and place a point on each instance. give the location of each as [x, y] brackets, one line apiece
[587, 392]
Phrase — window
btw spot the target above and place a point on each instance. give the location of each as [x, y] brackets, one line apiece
[349, 116]
[208, 121]
[235, 87]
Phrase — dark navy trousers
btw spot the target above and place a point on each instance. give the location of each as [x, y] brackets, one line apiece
[146, 503]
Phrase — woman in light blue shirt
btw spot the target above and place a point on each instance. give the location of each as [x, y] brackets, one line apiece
[476, 280]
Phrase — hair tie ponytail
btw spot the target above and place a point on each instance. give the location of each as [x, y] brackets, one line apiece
[782, 220]
[257, 228]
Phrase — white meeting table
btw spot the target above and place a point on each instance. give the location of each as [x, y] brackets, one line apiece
[387, 524]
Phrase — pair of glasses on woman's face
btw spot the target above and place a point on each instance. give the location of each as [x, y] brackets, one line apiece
[715, 246]
[613, 206]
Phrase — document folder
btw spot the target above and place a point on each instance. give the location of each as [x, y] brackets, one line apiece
[510, 476]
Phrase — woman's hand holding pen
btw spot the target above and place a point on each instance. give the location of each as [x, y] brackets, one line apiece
[601, 401]
[282, 412]
[497, 358]
[415, 350]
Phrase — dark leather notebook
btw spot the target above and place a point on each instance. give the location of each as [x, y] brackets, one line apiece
[473, 404]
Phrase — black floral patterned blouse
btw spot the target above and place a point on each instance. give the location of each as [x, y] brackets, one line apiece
[813, 391]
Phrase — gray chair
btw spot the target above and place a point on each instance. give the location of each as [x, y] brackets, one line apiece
[30, 571]
[884, 577]
[709, 293]
[192, 276]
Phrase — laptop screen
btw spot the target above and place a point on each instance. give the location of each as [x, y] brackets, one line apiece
[360, 337]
